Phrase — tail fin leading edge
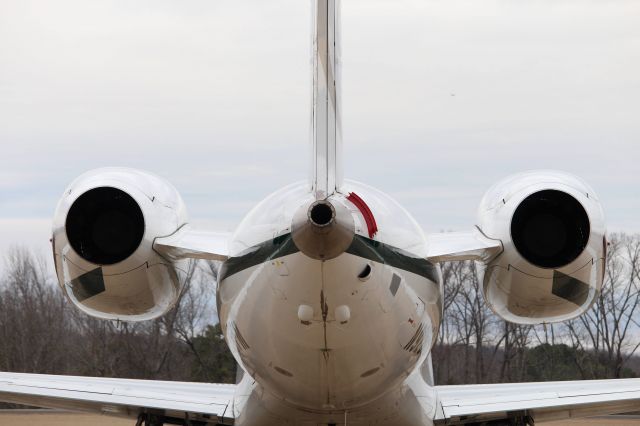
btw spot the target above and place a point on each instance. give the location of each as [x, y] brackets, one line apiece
[326, 124]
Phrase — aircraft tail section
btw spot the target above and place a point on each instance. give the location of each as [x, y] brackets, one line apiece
[326, 123]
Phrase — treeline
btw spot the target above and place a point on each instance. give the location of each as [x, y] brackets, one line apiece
[475, 346]
[42, 333]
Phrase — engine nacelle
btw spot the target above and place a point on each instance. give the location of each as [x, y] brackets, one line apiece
[552, 228]
[103, 233]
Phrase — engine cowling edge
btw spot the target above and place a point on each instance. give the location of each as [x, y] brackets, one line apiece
[553, 232]
[103, 233]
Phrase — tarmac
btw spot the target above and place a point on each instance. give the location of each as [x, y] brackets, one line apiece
[61, 418]
[49, 418]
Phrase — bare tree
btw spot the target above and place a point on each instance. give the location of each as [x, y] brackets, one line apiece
[609, 330]
[33, 318]
[42, 333]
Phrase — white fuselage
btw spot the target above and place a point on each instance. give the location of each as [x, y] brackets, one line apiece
[321, 338]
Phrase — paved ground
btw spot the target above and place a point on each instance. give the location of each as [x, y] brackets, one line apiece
[60, 419]
[65, 419]
[602, 421]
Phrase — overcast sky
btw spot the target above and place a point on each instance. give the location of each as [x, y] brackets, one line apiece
[441, 99]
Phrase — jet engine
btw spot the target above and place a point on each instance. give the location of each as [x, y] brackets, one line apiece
[103, 234]
[552, 228]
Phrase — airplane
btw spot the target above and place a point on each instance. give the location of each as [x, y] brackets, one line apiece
[330, 295]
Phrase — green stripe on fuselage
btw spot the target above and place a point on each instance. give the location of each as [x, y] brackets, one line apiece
[392, 256]
[362, 247]
[269, 250]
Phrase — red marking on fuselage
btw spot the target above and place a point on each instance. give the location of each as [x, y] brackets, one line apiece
[372, 227]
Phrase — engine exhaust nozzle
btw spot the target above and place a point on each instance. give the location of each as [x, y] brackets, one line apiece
[323, 230]
[322, 214]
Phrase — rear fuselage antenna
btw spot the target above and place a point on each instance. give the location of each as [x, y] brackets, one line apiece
[325, 119]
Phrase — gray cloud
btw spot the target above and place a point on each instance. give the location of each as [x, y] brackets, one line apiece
[441, 99]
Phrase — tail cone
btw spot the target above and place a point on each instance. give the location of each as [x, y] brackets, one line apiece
[323, 230]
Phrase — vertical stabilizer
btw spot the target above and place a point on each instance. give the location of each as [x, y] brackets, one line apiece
[326, 126]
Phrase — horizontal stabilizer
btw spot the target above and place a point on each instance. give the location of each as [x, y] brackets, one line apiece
[187, 243]
[456, 246]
